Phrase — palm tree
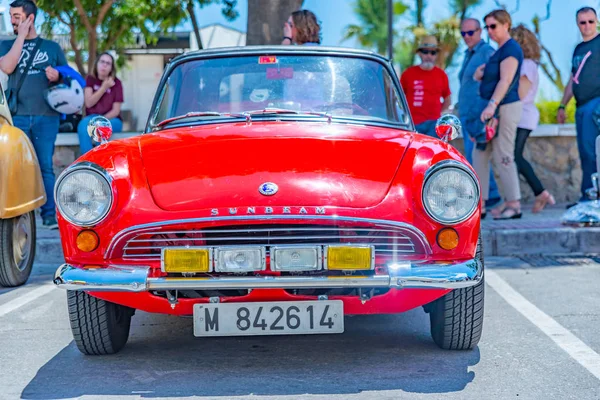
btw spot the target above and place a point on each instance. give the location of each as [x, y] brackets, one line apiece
[373, 30]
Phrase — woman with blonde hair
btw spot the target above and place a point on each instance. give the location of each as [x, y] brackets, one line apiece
[528, 86]
[500, 87]
[302, 28]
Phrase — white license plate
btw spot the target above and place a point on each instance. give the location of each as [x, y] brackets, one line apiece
[269, 318]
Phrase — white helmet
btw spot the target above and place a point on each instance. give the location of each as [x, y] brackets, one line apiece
[66, 97]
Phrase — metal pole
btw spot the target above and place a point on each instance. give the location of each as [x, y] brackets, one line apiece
[390, 9]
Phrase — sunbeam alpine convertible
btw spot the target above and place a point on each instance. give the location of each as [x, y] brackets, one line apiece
[273, 191]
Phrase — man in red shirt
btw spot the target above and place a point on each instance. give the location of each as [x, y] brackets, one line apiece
[426, 87]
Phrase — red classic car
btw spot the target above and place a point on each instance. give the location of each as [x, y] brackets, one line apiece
[273, 191]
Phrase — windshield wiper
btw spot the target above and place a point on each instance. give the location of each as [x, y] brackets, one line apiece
[194, 114]
[246, 114]
[288, 111]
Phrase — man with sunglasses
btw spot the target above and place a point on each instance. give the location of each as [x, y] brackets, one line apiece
[425, 85]
[478, 53]
[585, 86]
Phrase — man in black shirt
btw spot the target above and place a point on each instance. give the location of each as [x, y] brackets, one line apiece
[584, 84]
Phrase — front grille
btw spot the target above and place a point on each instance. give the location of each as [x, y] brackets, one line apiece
[390, 241]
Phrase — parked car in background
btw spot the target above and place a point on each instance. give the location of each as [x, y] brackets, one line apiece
[274, 190]
[21, 192]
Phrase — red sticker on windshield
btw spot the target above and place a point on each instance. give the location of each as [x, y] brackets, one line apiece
[280, 73]
[267, 60]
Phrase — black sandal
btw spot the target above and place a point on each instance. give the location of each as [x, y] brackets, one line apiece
[516, 214]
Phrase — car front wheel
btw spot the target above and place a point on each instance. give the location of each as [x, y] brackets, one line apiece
[457, 318]
[17, 249]
[99, 327]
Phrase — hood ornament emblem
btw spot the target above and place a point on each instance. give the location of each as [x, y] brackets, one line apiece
[268, 189]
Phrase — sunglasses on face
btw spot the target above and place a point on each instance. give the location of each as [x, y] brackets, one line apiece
[432, 52]
[592, 22]
[490, 27]
[470, 33]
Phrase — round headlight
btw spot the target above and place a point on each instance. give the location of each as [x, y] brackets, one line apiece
[450, 194]
[84, 196]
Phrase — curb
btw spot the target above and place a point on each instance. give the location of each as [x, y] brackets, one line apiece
[541, 241]
[496, 242]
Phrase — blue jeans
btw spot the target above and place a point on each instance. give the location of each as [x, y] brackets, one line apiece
[427, 128]
[85, 141]
[42, 131]
[587, 131]
[494, 193]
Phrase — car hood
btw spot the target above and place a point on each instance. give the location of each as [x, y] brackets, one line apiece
[313, 164]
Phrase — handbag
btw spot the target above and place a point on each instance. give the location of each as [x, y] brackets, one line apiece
[12, 93]
[491, 127]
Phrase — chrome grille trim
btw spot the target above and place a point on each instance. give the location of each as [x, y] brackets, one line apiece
[129, 234]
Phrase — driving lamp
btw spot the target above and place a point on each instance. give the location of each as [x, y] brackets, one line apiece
[186, 260]
[450, 193]
[240, 259]
[350, 257]
[296, 258]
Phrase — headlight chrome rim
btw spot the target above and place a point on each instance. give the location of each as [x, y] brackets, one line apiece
[102, 174]
[450, 164]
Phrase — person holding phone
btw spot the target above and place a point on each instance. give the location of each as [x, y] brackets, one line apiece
[302, 28]
[30, 63]
[103, 96]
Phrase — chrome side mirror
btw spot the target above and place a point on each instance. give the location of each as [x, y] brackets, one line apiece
[448, 127]
[99, 129]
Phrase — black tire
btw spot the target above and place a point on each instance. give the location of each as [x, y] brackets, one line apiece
[457, 318]
[99, 327]
[17, 249]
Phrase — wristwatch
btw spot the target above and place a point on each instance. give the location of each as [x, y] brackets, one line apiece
[287, 37]
[494, 102]
[562, 107]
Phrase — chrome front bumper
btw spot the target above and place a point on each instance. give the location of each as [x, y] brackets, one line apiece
[135, 279]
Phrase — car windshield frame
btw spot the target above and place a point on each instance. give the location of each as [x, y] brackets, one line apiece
[152, 125]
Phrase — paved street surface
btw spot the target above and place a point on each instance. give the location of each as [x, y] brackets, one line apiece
[549, 350]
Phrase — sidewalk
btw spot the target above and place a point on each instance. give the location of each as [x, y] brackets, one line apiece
[533, 234]
[538, 234]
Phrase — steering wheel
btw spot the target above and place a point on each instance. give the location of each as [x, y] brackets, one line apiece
[331, 106]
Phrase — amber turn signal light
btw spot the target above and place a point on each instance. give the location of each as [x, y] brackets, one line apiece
[447, 239]
[87, 241]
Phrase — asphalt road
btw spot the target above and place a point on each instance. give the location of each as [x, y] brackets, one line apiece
[549, 350]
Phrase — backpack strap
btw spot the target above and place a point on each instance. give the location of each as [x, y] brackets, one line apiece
[29, 64]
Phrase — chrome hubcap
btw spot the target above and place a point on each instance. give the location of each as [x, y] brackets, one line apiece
[22, 241]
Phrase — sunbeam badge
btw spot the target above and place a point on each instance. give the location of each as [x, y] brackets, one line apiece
[268, 189]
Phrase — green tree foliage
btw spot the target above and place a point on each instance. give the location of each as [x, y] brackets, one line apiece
[548, 109]
[372, 32]
[94, 26]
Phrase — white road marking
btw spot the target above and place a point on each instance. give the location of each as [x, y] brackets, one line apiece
[567, 341]
[25, 298]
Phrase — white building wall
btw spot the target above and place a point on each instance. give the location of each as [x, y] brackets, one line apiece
[140, 80]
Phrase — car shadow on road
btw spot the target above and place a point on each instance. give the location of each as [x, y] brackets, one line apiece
[163, 358]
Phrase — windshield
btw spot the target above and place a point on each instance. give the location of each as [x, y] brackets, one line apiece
[344, 87]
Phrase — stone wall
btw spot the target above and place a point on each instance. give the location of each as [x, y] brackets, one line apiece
[555, 160]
